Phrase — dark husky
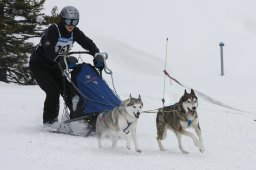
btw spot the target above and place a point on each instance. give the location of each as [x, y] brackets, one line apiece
[177, 118]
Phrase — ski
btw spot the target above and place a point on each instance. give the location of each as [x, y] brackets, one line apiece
[89, 131]
[64, 133]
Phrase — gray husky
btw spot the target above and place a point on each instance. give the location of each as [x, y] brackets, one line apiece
[177, 118]
[122, 120]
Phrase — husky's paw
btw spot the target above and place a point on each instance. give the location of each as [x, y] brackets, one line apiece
[202, 150]
[99, 143]
[138, 150]
[162, 149]
[185, 152]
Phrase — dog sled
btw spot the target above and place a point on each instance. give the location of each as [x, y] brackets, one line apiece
[85, 94]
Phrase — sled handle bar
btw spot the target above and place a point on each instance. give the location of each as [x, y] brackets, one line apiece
[79, 52]
[106, 69]
[85, 52]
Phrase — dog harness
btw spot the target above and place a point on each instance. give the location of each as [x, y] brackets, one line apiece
[175, 110]
[128, 124]
[103, 116]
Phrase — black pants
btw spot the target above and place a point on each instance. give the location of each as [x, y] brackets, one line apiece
[51, 82]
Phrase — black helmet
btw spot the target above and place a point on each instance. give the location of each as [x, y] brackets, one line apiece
[69, 15]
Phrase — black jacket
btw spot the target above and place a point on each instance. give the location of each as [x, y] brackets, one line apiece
[44, 54]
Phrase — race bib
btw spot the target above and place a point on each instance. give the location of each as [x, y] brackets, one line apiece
[64, 45]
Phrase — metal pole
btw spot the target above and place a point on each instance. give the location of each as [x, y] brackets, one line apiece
[166, 50]
[221, 58]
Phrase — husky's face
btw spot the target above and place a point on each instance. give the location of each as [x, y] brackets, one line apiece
[134, 106]
[189, 102]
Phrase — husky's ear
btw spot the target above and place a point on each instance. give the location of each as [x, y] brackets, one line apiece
[139, 98]
[130, 98]
[192, 92]
[185, 92]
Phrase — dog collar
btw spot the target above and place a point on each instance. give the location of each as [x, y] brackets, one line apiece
[128, 123]
[189, 122]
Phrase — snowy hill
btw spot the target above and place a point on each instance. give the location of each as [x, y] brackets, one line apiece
[134, 33]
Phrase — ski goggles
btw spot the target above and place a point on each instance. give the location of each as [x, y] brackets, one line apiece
[70, 22]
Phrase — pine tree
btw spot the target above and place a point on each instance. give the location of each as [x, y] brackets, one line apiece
[20, 20]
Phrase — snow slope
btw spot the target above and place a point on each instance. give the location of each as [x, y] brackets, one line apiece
[134, 33]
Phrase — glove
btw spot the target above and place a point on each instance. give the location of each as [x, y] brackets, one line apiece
[72, 62]
[98, 60]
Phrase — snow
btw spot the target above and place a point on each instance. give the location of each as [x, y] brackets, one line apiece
[40, 19]
[134, 35]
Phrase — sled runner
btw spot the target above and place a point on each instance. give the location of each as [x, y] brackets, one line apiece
[86, 94]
